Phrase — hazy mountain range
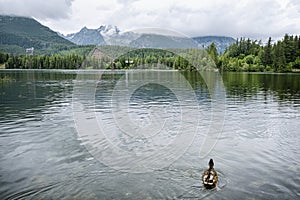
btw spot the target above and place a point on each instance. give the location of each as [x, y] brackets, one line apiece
[18, 33]
[112, 35]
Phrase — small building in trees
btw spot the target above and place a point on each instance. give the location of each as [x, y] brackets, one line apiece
[29, 51]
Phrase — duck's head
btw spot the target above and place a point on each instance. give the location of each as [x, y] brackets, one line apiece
[211, 163]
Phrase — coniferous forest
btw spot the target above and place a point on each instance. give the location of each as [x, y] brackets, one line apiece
[249, 55]
[244, 55]
[71, 61]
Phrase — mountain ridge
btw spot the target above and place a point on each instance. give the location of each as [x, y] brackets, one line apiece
[150, 40]
[18, 33]
[86, 37]
[25, 32]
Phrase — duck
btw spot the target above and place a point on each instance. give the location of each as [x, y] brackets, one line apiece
[210, 176]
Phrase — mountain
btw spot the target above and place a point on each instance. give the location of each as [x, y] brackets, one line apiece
[18, 33]
[162, 41]
[112, 35]
[122, 39]
[86, 37]
[221, 42]
[105, 34]
[108, 31]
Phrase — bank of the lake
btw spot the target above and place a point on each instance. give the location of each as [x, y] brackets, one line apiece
[245, 55]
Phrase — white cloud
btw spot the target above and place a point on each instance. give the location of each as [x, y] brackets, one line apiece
[51, 9]
[249, 18]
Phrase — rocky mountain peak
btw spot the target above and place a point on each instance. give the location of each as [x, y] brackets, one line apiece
[108, 30]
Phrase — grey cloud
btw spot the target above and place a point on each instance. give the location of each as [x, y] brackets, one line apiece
[249, 18]
[126, 1]
[295, 3]
[50, 9]
[252, 18]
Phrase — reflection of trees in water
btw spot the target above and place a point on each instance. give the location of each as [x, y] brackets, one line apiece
[248, 85]
[32, 89]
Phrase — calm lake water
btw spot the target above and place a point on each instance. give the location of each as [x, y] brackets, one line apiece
[148, 135]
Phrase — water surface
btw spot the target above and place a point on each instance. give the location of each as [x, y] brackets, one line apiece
[42, 156]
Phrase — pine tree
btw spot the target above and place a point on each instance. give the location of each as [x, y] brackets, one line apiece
[288, 43]
[279, 57]
[267, 56]
[297, 41]
[248, 47]
[212, 51]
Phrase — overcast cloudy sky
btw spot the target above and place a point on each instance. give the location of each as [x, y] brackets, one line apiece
[248, 18]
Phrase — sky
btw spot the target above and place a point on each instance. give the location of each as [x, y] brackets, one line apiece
[256, 19]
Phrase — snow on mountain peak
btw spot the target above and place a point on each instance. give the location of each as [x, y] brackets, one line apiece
[108, 30]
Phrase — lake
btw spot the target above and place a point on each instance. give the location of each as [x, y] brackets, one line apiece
[148, 134]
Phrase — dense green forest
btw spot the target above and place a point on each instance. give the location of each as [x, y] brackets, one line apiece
[244, 55]
[113, 57]
[19, 33]
[71, 61]
[116, 57]
[251, 55]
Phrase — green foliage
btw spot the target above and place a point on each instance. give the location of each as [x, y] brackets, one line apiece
[82, 50]
[212, 51]
[147, 57]
[13, 49]
[244, 55]
[3, 57]
[296, 64]
[279, 61]
[6, 79]
[267, 57]
[179, 59]
[247, 55]
[44, 62]
[23, 32]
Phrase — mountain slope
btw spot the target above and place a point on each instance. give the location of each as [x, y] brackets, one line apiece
[86, 37]
[108, 31]
[112, 35]
[162, 41]
[24, 32]
[221, 42]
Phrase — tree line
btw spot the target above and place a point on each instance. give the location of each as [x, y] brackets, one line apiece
[252, 55]
[72, 61]
[156, 58]
[148, 58]
[244, 55]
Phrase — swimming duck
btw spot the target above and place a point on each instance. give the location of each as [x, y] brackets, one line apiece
[210, 176]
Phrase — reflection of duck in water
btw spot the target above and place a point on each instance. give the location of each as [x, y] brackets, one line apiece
[210, 176]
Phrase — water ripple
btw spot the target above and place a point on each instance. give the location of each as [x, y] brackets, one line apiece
[42, 156]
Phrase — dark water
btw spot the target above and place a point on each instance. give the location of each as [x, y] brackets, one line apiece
[152, 127]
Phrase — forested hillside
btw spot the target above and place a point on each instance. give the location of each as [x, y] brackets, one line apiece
[252, 55]
[19, 33]
[53, 52]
